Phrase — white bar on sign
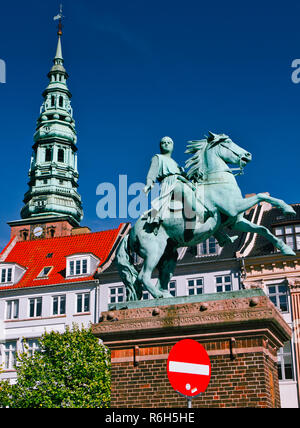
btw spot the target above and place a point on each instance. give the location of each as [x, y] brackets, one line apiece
[200, 369]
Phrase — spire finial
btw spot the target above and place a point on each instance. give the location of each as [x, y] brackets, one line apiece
[59, 17]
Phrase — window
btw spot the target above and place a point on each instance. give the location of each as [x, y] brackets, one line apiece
[290, 235]
[116, 295]
[83, 302]
[61, 155]
[48, 155]
[223, 283]
[61, 101]
[146, 295]
[45, 272]
[12, 309]
[24, 234]
[59, 305]
[10, 355]
[33, 346]
[208, 247]
[278, 294]
[172, 288]
[52, 101]
[284, 364]
[78, 267]
[6, 275]
[35, 307]
[195, 286]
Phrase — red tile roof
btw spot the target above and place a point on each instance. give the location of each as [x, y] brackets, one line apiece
[33, 256]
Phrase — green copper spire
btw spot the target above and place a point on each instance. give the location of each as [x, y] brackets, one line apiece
[53, 170]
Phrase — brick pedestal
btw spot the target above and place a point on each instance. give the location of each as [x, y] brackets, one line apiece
[241, 332]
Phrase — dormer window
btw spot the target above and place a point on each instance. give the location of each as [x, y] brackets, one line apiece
[208, 247]
[81, 265]
[10, 273]
[6, 275]
[78, 267]
[290, 234]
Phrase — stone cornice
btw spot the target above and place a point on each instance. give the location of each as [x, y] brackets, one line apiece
[203, 318]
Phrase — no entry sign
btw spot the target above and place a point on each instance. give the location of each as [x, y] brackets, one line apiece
[189, 368]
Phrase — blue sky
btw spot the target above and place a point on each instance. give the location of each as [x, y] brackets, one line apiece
[140, 70]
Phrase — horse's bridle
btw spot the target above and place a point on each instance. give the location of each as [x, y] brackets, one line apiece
[240, 156]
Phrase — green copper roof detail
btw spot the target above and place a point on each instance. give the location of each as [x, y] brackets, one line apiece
[53, 168]
[58, 50]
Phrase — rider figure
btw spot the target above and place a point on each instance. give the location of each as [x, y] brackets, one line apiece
[166, 171]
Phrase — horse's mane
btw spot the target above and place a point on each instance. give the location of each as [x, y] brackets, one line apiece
[195, 164]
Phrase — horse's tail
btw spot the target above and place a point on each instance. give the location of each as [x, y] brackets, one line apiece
[126, 269]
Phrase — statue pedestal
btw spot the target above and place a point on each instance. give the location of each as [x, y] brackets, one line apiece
[241, 331]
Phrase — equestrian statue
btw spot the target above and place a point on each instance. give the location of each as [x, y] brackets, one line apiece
[191, 207]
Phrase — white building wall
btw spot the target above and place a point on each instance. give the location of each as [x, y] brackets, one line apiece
[32, 328]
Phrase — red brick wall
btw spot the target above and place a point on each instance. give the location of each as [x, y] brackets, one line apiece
[246, 377]
[62, 228]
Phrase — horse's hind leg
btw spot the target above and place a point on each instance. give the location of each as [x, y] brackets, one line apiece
[166, 269]
[151, 255]
[247, 203]
[246, 226]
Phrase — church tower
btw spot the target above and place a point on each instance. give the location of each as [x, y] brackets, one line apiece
[53, 176]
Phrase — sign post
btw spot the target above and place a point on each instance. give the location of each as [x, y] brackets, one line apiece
[189, 369]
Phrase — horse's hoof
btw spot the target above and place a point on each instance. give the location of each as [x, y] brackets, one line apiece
[289, 211]
[286, 250]
[289, 252]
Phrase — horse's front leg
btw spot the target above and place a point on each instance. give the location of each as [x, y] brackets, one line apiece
[244, 225]
[243, 205]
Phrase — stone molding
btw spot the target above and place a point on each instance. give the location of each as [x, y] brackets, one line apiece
[209, 318]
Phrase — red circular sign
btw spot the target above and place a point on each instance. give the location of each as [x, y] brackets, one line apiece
[189, 368]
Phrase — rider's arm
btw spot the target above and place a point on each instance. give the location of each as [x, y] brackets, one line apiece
[152, 174]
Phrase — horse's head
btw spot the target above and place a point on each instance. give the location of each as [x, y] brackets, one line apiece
[211, 153]
[227, 150]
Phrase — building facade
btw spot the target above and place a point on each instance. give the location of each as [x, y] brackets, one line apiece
[279, 277]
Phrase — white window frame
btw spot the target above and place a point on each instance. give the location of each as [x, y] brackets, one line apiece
[204, 248]
[223, 283]
[172, 287]
[16, 274]
[83, 297]
[146, 295]
[10, 354]
[277, 295]
[117, 293]
[59, 298]
[5, 269]
[78, 260]
[32, 346]
[291, 238]
[194, 286]
[36, 301]
[282, 356]
[12, 310]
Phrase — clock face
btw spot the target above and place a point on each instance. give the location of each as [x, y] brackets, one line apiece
[37, 231]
